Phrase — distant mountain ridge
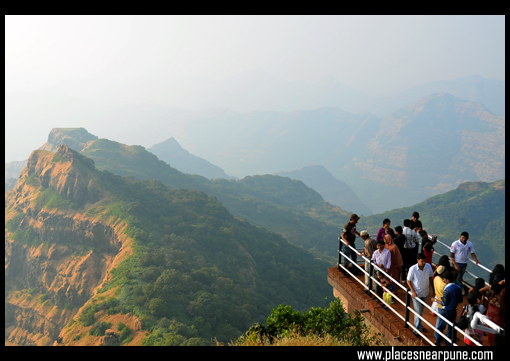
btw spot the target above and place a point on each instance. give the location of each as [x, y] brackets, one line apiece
[427, 148]
[332, 190]
[489, 92]
[172, 153]
[13, 169]
[251, 91]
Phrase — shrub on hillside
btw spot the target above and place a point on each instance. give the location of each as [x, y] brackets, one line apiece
[99, 328]
[331, 322]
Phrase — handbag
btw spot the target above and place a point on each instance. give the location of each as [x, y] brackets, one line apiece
[434, 307]
[463, 323]
[387, 298]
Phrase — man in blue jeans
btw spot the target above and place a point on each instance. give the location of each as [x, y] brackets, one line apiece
[419, 280]
[459, 252]
[347, 239]
[452, 296]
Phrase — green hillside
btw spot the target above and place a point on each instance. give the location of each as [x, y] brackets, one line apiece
[196, 272]
[199, 265]
[285, 206]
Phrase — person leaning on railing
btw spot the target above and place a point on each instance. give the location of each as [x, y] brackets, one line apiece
[459, 252]
[348, 237]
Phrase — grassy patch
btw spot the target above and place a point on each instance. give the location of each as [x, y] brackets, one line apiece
[57, 158]
[26, 236]
[50, 198]
[13, 223]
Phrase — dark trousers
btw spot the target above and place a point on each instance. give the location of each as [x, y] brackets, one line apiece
[440, 325]
[410, 256]
[351, 255]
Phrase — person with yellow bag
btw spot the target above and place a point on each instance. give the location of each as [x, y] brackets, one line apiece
[388, 288]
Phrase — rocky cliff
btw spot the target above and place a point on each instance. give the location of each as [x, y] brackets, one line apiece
[75, 138]
[56, 255]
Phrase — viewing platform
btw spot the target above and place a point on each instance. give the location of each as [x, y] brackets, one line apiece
[390, 322]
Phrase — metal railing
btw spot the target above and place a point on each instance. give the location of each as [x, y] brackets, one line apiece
[408, 296]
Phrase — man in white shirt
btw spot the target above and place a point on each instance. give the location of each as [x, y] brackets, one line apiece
[459, 252]
[419, 280]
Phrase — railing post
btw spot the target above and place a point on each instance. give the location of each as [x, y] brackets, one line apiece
[339, 254]
[371, 272]
[454, 333]
[408, 304]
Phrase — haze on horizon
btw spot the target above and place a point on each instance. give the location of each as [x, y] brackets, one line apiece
[68, 69]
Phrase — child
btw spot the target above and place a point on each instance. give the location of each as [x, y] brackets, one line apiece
[479, 284]
[429, 252]
[427, 245]
[389, 287]
[473, 299]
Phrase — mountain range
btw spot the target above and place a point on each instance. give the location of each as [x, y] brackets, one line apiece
[425, 149]
[287, 207]
[88, 251]
[175, 261]
[429, 147]
[130, 114]
[419, 151]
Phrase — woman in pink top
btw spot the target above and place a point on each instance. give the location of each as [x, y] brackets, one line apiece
[382, 231]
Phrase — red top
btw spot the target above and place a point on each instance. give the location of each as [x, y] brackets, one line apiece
[428, 255]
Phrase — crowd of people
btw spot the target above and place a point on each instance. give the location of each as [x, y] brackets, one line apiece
[405, 254]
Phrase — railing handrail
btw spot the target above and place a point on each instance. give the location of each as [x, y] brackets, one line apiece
[407, 295]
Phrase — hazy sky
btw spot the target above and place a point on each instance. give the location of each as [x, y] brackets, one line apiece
[117, 60]
[375, 54]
